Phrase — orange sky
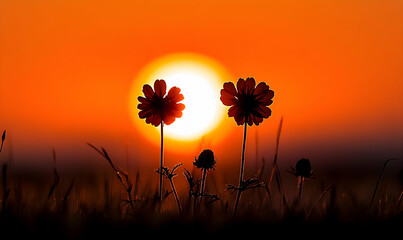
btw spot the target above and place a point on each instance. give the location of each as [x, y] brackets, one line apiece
[66, 68]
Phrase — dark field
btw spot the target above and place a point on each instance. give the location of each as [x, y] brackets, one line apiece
[95, 203]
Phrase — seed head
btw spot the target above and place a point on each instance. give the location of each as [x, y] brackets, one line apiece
[206, 160]
[303, 168]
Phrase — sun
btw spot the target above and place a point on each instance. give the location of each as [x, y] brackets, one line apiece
[200, 79]
[199, 86]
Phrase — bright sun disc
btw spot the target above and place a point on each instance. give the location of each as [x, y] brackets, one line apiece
[200, 80]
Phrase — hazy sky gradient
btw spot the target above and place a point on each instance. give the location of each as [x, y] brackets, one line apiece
[336, 67]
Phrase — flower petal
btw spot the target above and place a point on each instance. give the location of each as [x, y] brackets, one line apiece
[241, 86]
[144, 106]
[169, 119]
[232, 111]
[174, 95]
[177, 114]
[257, 120]
[148, 91]
[160, 87]
[175, 110]
[250, 85]
[239, 117]
[143, 99]
[230, 88]
[255, 112]
[250, 120]
[267, 99]
[154, 119]
[146, 113]
[261, 88]
[264, 111]
[227, 98]
[181, 106]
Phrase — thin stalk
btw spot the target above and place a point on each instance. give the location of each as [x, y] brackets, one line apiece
[300, 190]
[241, 170]
[162, 157]
[275, 169]
[130, 199]
[256, 149]
[203, 184]
[196, 195]
[3, 137]
[399, 201]
[275, 155]
[176, 195]
[195, 204]
[377, 183]
[319, 198]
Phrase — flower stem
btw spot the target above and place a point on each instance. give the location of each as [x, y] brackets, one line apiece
[176, 195]
[300, 190]
[241, 170]
[162, 157]
[203, 184]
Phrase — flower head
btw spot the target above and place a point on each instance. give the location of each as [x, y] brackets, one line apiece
[248, 102]
[206, 160]
[303, 168]
[155, 107]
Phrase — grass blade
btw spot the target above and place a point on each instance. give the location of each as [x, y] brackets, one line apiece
[319, 198]
[275, 170]
[379, 179]
[56, 176]
[3, 137]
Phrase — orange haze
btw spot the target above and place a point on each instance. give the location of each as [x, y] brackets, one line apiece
[66, 68]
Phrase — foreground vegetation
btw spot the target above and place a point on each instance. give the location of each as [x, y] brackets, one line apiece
[110, 202]
[99, 204]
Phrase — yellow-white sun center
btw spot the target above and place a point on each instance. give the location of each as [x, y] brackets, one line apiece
[200, 86]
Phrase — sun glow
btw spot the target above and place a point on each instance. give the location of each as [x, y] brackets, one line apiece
[200, 80]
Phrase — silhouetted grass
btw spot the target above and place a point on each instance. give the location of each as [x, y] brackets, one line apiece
[90, 207]
[89, 204]
[95, 203]
[99, 209]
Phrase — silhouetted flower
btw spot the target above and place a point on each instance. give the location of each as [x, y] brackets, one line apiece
[206, 160]
[248, 105]
[156, 107]
[248, 102]
[303, 168]
[302, 171]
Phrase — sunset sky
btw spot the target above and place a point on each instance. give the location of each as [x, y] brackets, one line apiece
[67, 69]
